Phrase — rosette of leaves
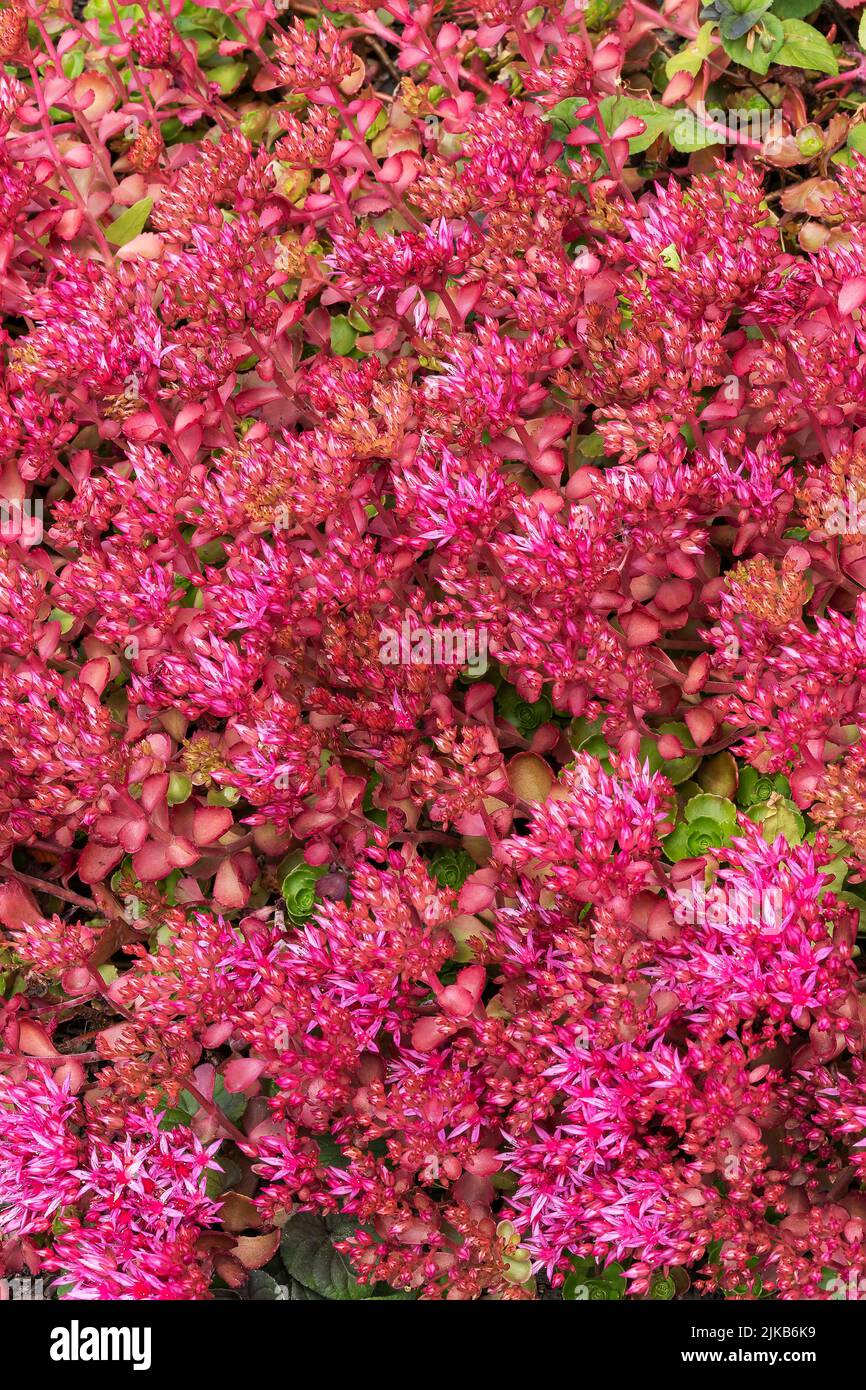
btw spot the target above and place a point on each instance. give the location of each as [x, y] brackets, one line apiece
[778, 816]
[585, 737]
[451, 868]
[299, 886]
[663, 1288]
[708, 822]
[586, 1283]
[311, 1269]
[525, 715]
[755, 786]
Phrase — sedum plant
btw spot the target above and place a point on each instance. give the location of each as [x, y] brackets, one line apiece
[432, 649]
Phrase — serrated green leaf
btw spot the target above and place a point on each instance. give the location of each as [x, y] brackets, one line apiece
[689, 133]
[805, 47]
[130, 223]
[658, 119]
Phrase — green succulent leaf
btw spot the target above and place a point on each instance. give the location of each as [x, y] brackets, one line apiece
[714, 808]
[778, 816]
[452, 867]
[663, 1288]
[299, 887]
[525, 715]
[343, 335]
[708, 823]
[757, 786]
[130, 223]
[676, 845]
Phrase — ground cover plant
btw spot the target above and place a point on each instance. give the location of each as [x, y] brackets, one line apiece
[432, 649]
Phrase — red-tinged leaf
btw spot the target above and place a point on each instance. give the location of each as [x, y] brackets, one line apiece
[95, 673]
[229, 889]
[97, 861]
[429, 1033]
[255, 1251]
[242, 1073]
[33, 1040]
[239, 1213]
[18, 907]
[210, 823]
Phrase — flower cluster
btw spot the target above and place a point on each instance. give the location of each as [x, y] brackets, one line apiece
[432, 648]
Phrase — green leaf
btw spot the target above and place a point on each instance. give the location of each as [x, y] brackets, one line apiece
[232, 1106]
[778, 816]
[231, 1103]
[714, 808]
[805, 47]
[760, 47]
[73, 63]
[757, 786]
[737, 23]
[676, 845]
[562, 117]
[227, 76]
[343, 335]
[857, 133]
[57, 615]
[679, 770]
[692, 58]
[130, 223]
[689, 133]
[795, 9]
[861, 32]
[614, 110]
[708, 822]
[262, 1288]
[308, 1254]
